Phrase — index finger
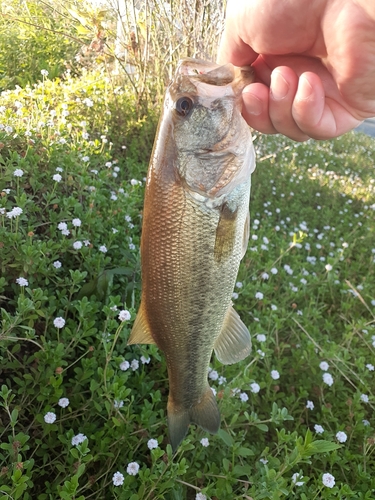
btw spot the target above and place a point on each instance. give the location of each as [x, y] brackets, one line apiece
[233, 49]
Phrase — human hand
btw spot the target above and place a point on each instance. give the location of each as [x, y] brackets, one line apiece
[314, 63]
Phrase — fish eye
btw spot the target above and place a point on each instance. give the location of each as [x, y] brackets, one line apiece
[183, 106]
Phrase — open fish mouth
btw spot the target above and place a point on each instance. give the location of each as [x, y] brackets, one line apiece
[215, 75]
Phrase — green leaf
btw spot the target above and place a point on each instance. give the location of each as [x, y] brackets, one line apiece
[244, 452]
[242, 470]
[228, 440]
[321, 446]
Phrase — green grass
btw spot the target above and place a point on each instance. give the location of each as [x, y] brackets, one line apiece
[312, 206]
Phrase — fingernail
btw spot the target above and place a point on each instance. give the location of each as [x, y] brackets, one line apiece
[305, 89]
[253, 104]
[279, 86]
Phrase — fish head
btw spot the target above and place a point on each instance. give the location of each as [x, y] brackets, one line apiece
[213, 143]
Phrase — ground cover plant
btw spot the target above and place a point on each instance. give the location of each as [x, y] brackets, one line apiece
[84, 416]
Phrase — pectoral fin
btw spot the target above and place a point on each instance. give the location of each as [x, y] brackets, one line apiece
[233, 343]
[246, 235]
[225, 233]
[140, 333]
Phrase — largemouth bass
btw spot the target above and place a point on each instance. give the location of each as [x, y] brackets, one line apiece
[195, 232]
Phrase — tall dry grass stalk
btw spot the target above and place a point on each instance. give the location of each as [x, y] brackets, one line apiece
[151, 36]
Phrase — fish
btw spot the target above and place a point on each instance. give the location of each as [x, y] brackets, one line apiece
[195, 232]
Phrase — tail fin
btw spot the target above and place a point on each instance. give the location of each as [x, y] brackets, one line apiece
[205, 414]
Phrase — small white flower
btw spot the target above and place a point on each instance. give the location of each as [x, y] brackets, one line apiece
[263, 460]
[22, 282]
[114, 230]
[62, 226]
[113, 197]
[370, 367]
[103, 249]
[213, 375]
[327, 379]
[134, 365]
[78, 439]
[124, 315]
[85, 159]
[18, 172]
[89, 103]
[213, 390]
[273, 307]
[364, 398]
[324, 366]
[65, 232]
[77, 245]
[234, 295]
[275, 374]
[365, 422]
[152, 444]
[199, 496]
[309, 405]
[118, 404]
[259, 295]
[57, 264]
[318, 429]
[261, 337]
[239, 284]
[15, 212]
[131, 246]
[328, 480]
[125, 365]
[274, 270]
[341, 437]
[132, 469]
[76, 222]
[86, 243]
[296, 476]
[118, 479]
[44, 72]
[205, 442]
[328, 267]
[254, 387]
[265, 276]
[134, 182]
[244, 397]
[59, 322]
[145, 361]
[63, 402]
[49, 417]
[57, 177]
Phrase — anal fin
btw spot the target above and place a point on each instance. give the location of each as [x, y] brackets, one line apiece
[233, 343]
[141, 333]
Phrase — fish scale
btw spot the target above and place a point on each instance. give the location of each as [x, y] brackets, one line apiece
[195, 230]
